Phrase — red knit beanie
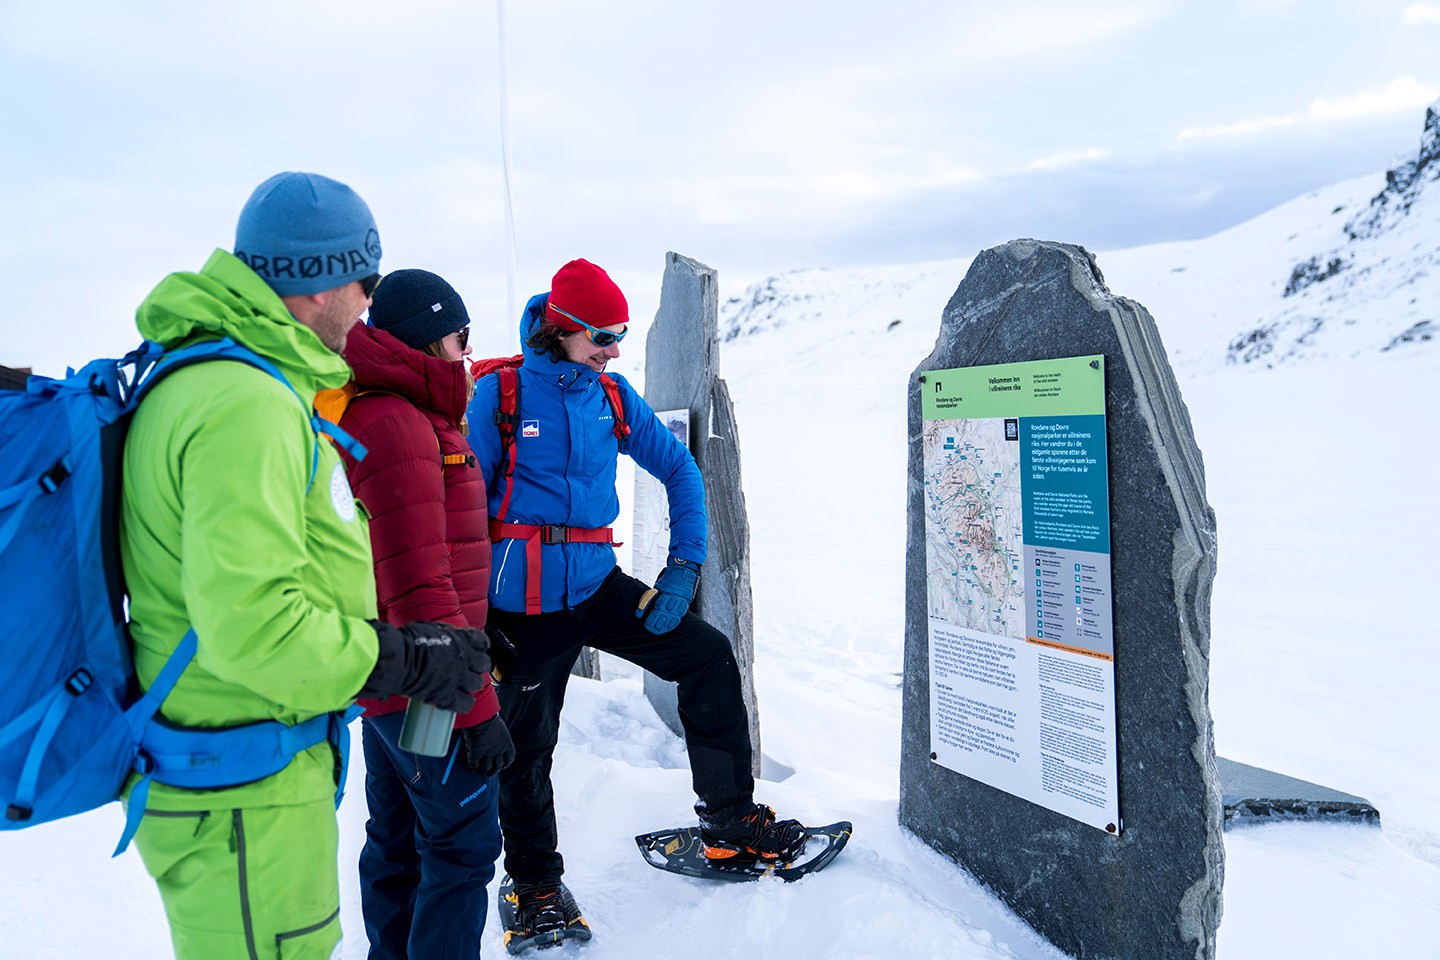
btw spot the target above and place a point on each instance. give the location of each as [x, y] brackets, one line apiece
[584, 290]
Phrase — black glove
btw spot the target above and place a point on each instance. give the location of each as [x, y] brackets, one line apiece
[502, 653]
[432, 662]
[488, 747]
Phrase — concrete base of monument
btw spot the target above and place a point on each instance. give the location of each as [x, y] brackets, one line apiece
[1253, 795]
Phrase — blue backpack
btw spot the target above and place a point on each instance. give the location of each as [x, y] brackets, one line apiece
[73, 724]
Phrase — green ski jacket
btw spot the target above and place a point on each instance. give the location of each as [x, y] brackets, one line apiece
[219, 533]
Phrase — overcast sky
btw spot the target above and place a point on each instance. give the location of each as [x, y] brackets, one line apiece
[757, 137]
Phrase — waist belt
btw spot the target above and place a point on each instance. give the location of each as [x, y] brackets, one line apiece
[536, 535]
[211, 759]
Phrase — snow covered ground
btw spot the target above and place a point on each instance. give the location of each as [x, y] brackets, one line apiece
[1321, 472]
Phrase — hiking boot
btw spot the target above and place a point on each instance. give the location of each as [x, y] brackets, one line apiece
[549, 909]
[753, 835]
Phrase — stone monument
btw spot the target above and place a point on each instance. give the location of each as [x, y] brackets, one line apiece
[1147, 887]
[681, 374]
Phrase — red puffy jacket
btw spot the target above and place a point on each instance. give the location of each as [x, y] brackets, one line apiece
[429, 527]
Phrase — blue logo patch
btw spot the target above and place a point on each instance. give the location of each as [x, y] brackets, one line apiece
[529, 428]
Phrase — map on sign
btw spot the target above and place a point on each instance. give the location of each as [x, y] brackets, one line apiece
[974, 526]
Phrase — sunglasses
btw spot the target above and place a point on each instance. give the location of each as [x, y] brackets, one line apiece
[464, 334]
[368, 285]
[601, 338]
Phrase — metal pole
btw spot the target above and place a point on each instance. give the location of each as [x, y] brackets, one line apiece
[511, 257]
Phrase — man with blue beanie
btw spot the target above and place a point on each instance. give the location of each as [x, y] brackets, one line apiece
[237, 523]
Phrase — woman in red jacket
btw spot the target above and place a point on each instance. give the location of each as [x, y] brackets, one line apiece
[433, 833]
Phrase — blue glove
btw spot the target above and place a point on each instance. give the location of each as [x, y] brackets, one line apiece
[663, 605]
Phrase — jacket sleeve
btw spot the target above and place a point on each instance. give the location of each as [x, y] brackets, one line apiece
[656, 450]
[402, 485]
[245, 468]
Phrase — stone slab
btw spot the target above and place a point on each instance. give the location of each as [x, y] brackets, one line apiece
[1256, 795]
[682, 360]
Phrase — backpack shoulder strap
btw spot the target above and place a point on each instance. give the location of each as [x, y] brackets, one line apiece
[617, 406]
[228, 349]
[507, 417]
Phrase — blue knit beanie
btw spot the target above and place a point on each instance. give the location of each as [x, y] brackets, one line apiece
[304, 233]
[417, 307]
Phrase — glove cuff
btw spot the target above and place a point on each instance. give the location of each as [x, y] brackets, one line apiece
[389, 667]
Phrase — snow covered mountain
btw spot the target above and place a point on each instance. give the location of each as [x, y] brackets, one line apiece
[1346, 270]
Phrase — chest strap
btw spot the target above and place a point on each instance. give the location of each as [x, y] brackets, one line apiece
[536, 535]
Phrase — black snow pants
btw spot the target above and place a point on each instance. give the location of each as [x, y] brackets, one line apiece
[694, 655]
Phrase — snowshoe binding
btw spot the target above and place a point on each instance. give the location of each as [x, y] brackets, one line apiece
[756, 835]
[748, 847]
[538, 916]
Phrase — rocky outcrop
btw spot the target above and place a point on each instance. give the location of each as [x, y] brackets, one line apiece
[1311, 272]
[1402, 184]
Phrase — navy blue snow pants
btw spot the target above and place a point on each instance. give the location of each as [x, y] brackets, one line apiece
[694, 655]
[430, 848]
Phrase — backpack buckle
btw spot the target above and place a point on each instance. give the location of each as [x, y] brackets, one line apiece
[79, 681]
[51, 479]
[554, 533]
[18, 813]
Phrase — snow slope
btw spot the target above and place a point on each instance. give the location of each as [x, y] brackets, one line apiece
[1320, 456]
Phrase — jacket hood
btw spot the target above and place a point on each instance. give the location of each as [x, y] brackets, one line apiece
[227, 299]
[563, 372]
[382, 362]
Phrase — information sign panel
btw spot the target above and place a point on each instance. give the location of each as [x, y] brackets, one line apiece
[1017, 528]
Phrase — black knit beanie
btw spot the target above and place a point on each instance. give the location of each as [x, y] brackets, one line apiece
[417, 307]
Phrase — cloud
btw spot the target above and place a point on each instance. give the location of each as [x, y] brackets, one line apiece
[1239, 128]
[1068, 158]
[984, 35]
[829, 194]
[1399, 96]
[1422, 13]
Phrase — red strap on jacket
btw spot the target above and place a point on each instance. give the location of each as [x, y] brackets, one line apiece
[507, 417]
[551, 533]
[617, 406]
[536, 535]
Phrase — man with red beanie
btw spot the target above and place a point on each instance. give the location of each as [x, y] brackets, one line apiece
[555, 587]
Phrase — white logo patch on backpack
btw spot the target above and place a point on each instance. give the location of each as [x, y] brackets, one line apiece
[341, 495]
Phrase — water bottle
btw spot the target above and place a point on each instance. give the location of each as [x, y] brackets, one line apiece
[427, 729]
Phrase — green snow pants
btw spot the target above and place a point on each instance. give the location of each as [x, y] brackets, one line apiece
[258, 883]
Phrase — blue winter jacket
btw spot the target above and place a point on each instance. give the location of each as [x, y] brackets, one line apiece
[566, 455]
